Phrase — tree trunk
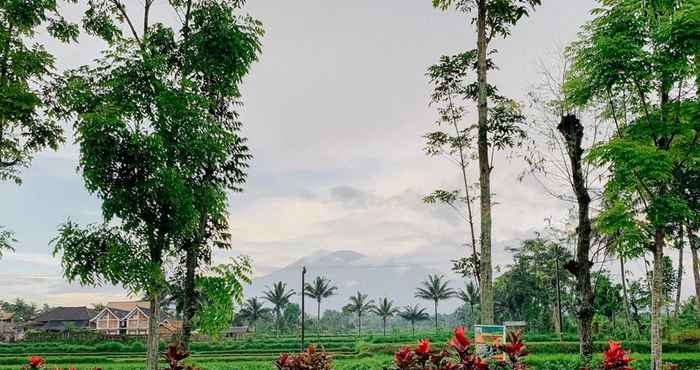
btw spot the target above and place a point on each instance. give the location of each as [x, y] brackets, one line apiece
[484, 171]
[696, 268]
[318, 318]
[436, 318]
[359, 324]
[677, 307]
[572, 130]
[384, 325]
[189, 304]
[625, 296]
[656, 298]
[413, 328]
[188, 300]
[153, 333]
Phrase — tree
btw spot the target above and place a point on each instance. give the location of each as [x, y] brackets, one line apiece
[385, 309]
[359, 305]
[493, 18]
[572, 130]
[647, 51]
[435, 288]
[21, 310]
[413, 314]
[469, 295]
[159, 107]
[279, 297]
[319, 289]
[607, 296]
[252, 310]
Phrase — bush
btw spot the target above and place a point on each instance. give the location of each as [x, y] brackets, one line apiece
[688, 336]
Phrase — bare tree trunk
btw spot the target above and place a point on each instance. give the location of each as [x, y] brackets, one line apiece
[656, 293]
[677, 307]
[625, 296]
[696, 267]
[436, 317]
[153, 332]
[484, 171]
[572, 130]
[384, 325]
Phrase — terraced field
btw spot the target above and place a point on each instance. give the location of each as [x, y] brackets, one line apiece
[350, 353]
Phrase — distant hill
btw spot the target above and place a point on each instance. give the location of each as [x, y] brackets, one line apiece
[396, 278]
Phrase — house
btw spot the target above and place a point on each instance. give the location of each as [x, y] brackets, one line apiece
[131, 318]
[238, 332]
[62, 319]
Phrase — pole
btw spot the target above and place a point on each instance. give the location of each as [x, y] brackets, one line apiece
[561, 324]
[303, 312]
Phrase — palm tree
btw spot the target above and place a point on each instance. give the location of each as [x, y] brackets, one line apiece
[320, 288]
[278, 296]
[470, 295]
[435, 289]
[385, 310]
[413, 314]
[359, 305]
[252, 310]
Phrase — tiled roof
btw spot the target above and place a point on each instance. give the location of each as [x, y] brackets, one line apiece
[67, 314]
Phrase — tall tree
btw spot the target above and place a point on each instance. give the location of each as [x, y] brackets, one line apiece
[385, 310]
[572, 130]
[319, 290]
[413, 314]
[253, 310]
[436, 288]
[643, 50]
[359, 304]
[279, 297]
[493, 18]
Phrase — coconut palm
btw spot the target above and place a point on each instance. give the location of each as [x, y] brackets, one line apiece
[470, 295]
[413, 314]
[252, 310]
[359, 305]
[319, 289]
[435, 288]
[385, 309]
[279, 297]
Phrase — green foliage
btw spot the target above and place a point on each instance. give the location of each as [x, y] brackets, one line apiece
[26, 126]
[7, 238]
[219, 295]
[501, 14]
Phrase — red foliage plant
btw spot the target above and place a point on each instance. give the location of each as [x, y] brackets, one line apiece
[37, 362]
[514, 351]
[422, 358]
[615, 358]
[311, 359]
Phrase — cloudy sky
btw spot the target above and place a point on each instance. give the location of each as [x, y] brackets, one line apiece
[334, 111]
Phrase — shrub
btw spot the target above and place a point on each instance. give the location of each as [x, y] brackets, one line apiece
[615, 358]
[311, 359]
[689, 336]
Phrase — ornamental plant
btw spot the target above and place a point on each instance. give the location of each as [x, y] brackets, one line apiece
[615, 358]
[422, 358]
[514, 351]
[37, 362]
[311, 359]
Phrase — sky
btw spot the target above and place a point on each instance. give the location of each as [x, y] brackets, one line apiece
[334, 112]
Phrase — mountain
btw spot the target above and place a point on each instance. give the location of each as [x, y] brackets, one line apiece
[395, 278]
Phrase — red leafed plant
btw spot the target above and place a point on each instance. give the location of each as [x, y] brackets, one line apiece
[35, 362]
[175, 353]
[422, 358]
[311, 359]
[615, 358]
[514, 351]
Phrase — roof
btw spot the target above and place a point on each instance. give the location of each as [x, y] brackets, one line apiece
[56, 325]
[120, 314]
[6, 316]
[128, 305]
[81, 313]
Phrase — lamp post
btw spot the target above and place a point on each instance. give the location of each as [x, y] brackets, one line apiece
[303, 312]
